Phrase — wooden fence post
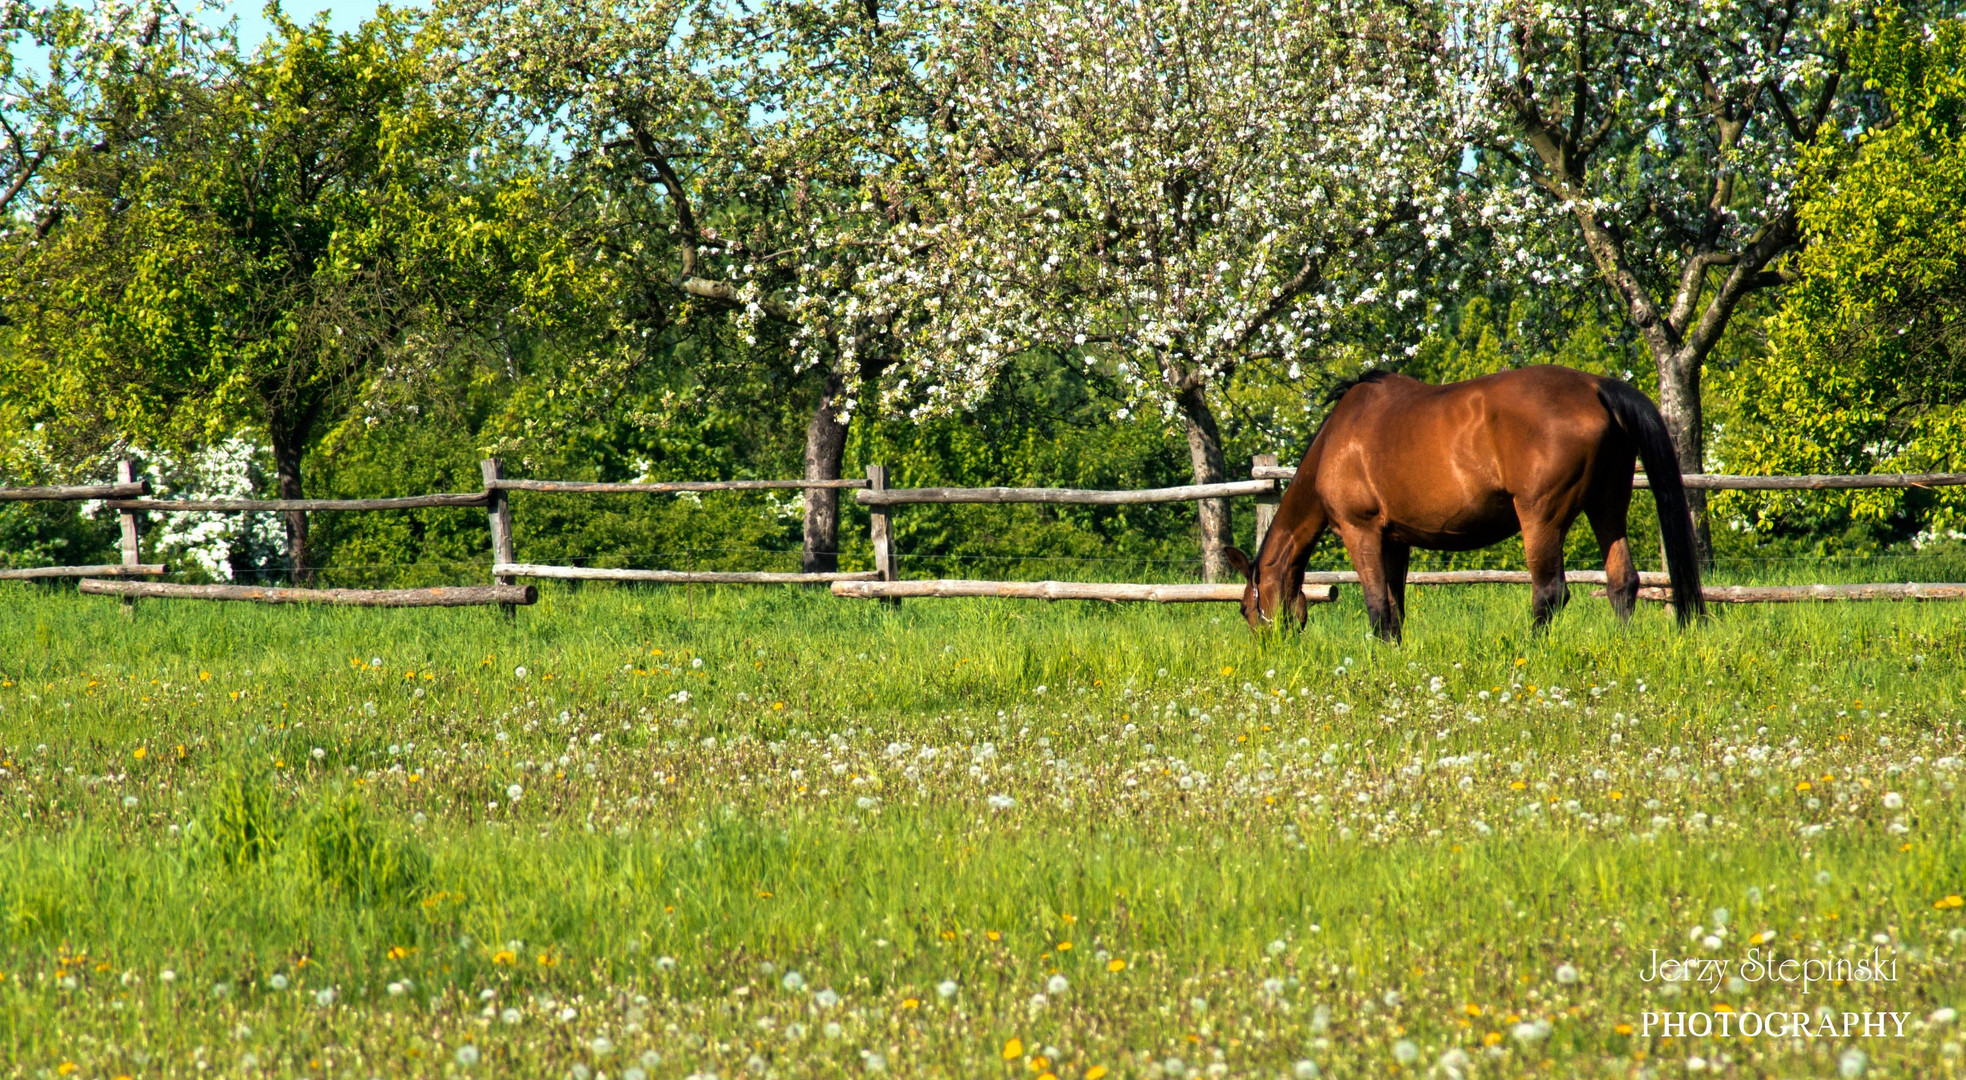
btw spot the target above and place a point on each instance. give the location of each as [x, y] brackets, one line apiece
[500, 509]
[881, 529]
[1266, 505]
[126, 473]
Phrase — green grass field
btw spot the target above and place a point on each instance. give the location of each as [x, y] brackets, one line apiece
[769, 833]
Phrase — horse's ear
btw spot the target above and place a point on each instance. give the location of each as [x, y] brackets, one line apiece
[1238, 560]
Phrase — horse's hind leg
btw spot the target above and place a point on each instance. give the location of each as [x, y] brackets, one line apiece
[1542, 548]
[1620, 574]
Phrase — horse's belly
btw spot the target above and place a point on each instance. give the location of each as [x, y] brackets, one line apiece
[1463, 526]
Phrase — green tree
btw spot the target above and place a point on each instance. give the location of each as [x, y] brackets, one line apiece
[288, 236]
[1866, 365]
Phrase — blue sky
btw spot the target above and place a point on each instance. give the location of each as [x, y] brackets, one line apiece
[342, 14]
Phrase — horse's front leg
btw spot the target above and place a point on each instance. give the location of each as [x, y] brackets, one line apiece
[1395, 556]
[1368, 551]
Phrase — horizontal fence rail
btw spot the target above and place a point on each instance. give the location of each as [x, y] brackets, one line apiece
[442, 596]
[115, 570]
[1724, 482]
[1057, 590]
[1478, 577]
[75, 492]
[674, 577]
[1064, 496]
[247, 506]
[582, 487]
[1790, 594]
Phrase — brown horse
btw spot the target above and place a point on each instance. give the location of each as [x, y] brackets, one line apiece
[1400, 464]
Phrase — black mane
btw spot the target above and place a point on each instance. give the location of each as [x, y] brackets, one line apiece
[1343, 386]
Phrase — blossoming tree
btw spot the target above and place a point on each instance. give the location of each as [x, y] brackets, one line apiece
[756, 163]
[1168, 190]
[1656, 143]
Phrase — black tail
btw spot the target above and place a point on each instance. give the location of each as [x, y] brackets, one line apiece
[1635, 413]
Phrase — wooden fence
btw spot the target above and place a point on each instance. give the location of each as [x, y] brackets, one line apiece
[129, 498]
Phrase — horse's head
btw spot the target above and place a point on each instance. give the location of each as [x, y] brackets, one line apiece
[1265, 595]
[1254, 610]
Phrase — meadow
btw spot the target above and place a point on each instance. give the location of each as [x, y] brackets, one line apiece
[769, 833]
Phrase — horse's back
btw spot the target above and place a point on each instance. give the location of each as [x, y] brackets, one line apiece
[1446, 464]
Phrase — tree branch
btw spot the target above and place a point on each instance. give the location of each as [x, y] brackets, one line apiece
[685, 217]
[1747, 276]
[727, 294]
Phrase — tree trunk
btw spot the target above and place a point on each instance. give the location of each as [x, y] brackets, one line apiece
[825, 448]
[1679, 404]
[1205, 455]
[288, 445]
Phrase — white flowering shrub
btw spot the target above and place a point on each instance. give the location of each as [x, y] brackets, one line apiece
[225, 547]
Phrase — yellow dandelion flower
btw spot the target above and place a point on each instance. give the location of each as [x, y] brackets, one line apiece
[1064, 946]
[66, 1067]
[1802, 786]
[1228, 669]
[505, 956]
[1623, 1029]
[993, 935]
[911, 1003]
[1116, 964]
[141, 753]
[1095, 1073]
[1471, 1009]
[1068, 917]
[1493, 1038]
[1617, 795]
[1013, 1049]
[1517, 785]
